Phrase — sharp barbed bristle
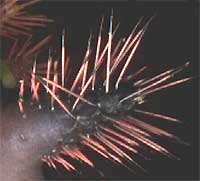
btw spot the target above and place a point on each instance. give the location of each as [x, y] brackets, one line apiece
[25, 46]
[63, 57]
[97, 52]
[21, 96]
[160, 116]
[109, 53]
[12, 50]
[134, 75]
[37, 47]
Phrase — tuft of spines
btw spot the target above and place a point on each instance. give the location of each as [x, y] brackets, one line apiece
[16, 21]
[106, 131]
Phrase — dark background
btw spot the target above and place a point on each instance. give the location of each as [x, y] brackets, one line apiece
[171, 40]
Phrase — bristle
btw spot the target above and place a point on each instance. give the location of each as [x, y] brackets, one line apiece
[160, 116]
[97, 52]
[34, 85]
[21, 96]
[86, 61]
[109, 53]
[63, 57]
[134, 75]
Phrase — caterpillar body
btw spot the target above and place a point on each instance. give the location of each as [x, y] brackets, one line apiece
[99, 109]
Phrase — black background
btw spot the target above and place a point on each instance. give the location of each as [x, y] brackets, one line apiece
[171, 40]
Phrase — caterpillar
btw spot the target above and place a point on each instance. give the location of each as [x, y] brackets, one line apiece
[98, 109]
